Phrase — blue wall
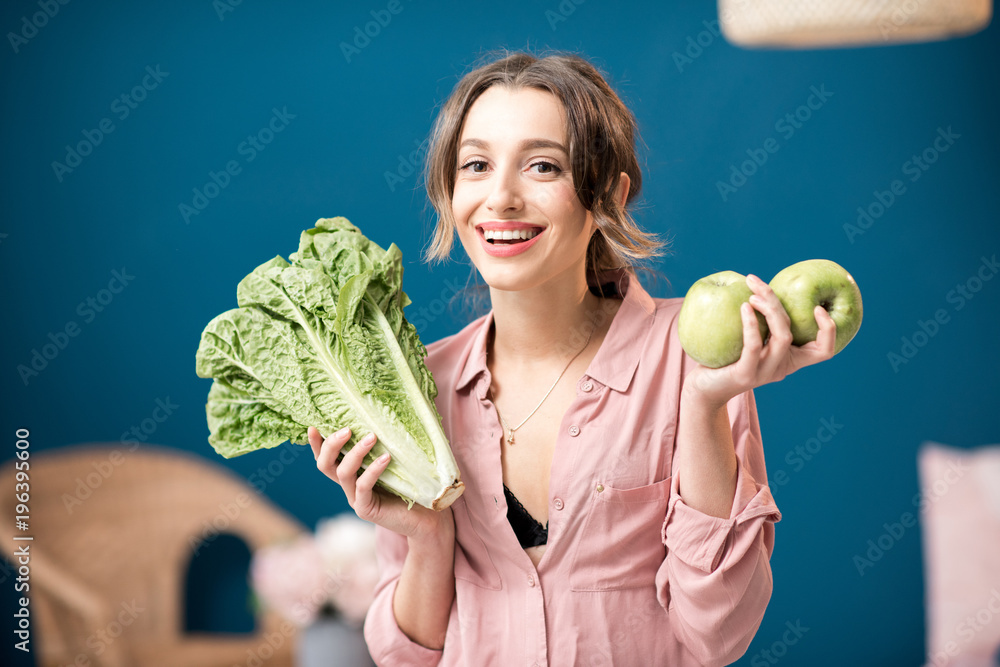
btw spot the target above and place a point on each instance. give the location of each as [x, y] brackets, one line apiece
[349, 120]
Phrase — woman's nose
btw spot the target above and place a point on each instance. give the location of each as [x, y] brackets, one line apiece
[505, 194]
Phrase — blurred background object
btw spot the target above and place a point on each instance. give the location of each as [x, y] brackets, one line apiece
[113, 533]
[808, 24]
[960, 516]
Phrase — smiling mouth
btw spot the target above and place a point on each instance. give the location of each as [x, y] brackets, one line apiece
[510, 236]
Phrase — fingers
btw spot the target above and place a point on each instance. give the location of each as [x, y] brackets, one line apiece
[365, 503]
[826, 338]
[766, 301]
[752, 343]
[315, 441]
[740, 375]
[326, 451]
[347, 470]
[344, 471]
[817, 350]
[779, 325]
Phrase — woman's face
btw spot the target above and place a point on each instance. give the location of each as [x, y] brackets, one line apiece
[514, 180]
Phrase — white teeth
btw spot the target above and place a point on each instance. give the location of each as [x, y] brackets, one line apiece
[509, 234]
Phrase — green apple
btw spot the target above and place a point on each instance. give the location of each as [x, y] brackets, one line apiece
[709, 325]
[819, 282]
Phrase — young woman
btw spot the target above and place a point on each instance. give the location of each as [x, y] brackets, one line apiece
[616, 510]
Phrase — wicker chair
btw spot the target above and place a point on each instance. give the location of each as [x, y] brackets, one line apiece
[114, 532]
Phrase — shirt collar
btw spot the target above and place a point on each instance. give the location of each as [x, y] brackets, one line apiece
[616, 360]
[475, 361]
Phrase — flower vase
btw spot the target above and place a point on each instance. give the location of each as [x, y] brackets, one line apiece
[331, 642]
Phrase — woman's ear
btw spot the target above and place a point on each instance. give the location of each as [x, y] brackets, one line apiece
[624, 182]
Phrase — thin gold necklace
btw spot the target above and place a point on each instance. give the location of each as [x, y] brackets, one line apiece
[510, 431]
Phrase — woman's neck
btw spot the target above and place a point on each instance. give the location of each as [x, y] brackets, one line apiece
[550, 321]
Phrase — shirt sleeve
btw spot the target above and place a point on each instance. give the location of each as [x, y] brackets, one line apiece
[715, 582]
[388, 645]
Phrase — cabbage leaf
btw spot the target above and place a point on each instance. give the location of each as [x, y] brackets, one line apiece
[321, 340]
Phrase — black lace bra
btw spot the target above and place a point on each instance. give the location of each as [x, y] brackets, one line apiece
[530, 533]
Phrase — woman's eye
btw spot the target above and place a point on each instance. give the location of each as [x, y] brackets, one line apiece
[475, 166]
[546, 168]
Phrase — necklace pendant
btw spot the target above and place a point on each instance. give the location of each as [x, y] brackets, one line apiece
[510, 438]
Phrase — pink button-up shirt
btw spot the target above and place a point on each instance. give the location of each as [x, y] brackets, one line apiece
[631, 576]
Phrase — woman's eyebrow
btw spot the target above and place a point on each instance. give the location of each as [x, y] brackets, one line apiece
[525, 144]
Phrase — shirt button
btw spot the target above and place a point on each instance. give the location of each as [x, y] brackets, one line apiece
[600, 488]
[574, 430]
[587, 386]
[531, 581]
[557, 503]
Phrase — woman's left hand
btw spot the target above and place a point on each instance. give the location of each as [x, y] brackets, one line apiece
[760, 364]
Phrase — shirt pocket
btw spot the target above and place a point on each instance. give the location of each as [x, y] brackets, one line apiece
[473, 563]
[620, 543]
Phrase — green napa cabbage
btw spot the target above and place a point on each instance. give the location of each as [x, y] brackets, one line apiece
[322, 341]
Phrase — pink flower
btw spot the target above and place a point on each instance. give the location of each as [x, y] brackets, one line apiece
[337, 566]
[290, 579]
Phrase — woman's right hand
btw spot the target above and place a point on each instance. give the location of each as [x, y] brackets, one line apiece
[371, 504]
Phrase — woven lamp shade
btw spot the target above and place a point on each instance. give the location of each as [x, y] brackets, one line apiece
[806, 24]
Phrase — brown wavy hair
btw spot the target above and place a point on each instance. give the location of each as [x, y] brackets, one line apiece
[602, 144]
